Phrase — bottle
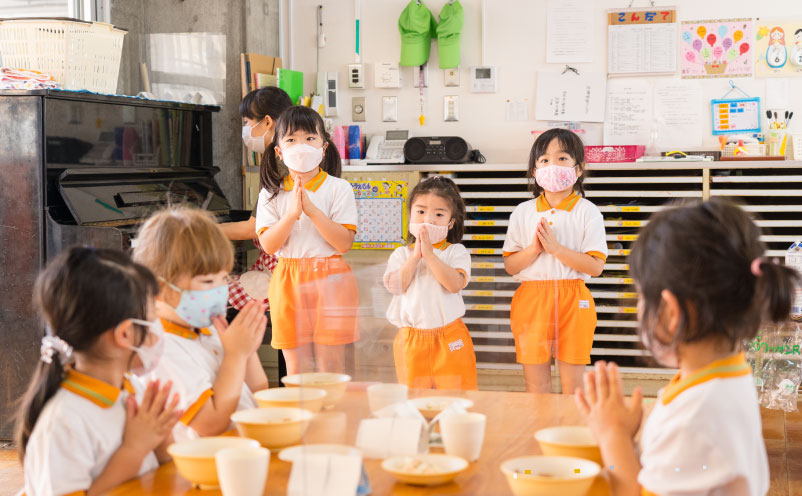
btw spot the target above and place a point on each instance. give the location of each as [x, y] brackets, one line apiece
[793, 259]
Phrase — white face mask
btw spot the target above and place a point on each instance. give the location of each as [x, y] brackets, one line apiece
[302, 158]
[151, 354]
[253, 143]
[436, 233]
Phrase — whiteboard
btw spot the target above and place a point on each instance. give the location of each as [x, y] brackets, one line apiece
[740, 115]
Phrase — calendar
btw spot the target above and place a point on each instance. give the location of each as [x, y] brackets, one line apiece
[382, 209]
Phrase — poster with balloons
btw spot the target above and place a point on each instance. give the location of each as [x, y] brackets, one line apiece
[720, 48]
[778, 48]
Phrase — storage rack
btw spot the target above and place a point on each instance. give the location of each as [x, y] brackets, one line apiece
[627, 194]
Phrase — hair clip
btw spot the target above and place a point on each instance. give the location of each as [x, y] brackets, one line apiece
[52, 345]
[756, 270]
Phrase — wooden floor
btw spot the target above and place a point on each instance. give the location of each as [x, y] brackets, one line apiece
[782, 432]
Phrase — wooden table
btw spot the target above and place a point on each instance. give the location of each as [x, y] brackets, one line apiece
[512, 419]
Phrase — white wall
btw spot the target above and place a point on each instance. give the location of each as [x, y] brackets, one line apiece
[515, 44]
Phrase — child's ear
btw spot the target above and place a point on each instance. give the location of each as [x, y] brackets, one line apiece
[580, 169]
[125, 334]
[670, 315]
[451, 224]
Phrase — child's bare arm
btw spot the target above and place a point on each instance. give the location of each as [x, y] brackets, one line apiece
[449, 277]
[398, 282]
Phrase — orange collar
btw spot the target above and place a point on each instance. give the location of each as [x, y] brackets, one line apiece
[312, 185]
[98, 392]
[184, 332]
[568, 204]
[732, 366]
[442, 245]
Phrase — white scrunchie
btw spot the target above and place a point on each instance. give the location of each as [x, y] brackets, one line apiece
[52, 345]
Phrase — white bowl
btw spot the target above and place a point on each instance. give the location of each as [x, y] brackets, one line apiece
[333, 384]
[447, 467]
[296, 397]
[273, 427]
[569, 440]
[195, 461]
[294, 453]
[537, 475]
[430, 406]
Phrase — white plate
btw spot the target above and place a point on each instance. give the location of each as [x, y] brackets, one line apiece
[293, 453]
[449, 467]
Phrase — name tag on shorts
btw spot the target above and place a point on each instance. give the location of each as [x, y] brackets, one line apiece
[455, 345]
[584, 304]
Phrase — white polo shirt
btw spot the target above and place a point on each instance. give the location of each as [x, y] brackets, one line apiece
[332, 195]
[576, 222]
[704, 436]
[426, 304]
[76, 434]
[192, 361]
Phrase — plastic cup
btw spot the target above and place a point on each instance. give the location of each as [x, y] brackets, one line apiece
[463, 434]
[242, 471]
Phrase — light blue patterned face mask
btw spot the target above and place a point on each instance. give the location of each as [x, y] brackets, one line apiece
[198, 306]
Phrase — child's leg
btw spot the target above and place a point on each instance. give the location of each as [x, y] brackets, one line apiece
[330, 358]
[538, 377]
[570, 376]
[299, 359]
[453, 358]
[411, 351]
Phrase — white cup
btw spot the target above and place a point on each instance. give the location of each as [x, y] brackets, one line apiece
[382, 395]
[463, 434]
[242, 471]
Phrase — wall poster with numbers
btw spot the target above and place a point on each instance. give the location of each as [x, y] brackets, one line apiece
[382, 208]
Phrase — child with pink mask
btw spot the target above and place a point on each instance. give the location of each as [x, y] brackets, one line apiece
[433, 348]
[554, 244]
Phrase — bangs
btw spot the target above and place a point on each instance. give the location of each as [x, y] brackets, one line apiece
[183, 241]
[246, 106]
[301, 119]
[569, 143]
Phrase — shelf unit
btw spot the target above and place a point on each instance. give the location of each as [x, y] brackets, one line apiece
[627, 194]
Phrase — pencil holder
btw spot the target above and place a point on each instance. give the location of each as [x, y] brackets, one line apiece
[777, 142]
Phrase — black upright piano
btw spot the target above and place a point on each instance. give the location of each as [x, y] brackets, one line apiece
[82, 168]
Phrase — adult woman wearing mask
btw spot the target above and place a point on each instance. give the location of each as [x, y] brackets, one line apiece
[259, 111]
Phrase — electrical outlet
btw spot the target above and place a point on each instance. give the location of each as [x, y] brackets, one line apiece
[356, 76]
[358, 109]
[389, 108]
[416, 71]
[451, 108]
[451, 77]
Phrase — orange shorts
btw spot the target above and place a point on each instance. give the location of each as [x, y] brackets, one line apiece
[441, 358]
[313, 300]
[553, 318]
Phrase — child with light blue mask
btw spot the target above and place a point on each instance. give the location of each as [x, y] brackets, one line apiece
[213, 364]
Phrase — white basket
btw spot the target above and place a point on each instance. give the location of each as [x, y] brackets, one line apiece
[79, 55]
[797, 146]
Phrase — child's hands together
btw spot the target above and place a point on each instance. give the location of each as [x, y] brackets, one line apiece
[547, 238]
[148, 424]
[309, 208]
[244, 335]
[424, 243]
[602, 403]
[296, 206]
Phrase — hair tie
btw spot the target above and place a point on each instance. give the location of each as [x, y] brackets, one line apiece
[55, 345]
[756, 270]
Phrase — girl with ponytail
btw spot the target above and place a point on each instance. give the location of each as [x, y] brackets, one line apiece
[80, 427]
[307, 216]
[704, 286]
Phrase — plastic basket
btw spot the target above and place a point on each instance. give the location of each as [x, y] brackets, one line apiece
[797, 143]
[79, 55]
[606, 154]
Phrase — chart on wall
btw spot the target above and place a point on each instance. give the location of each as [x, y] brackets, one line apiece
[641, 41]
[718, 48]
[382, 210]
[779, 48]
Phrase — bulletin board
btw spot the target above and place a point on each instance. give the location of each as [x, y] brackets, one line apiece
[641, 42]
[382, 209]
[741, 115]
[778, 47]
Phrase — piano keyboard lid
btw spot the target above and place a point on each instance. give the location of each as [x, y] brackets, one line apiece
[118, 197]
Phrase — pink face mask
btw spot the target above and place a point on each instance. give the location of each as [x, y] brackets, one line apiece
[555, 178]
[436, 233]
